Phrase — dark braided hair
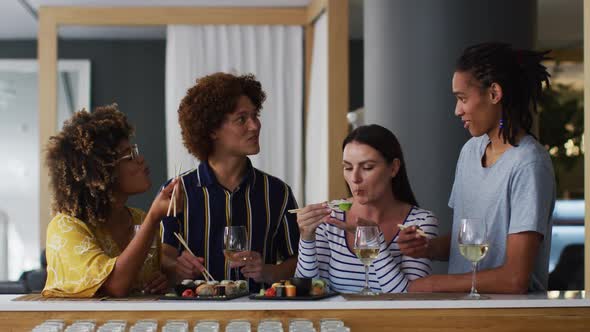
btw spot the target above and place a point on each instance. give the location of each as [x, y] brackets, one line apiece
[385, 142]
[519, 73]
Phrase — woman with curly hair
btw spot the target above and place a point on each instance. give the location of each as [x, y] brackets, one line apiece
[96, 245]
[219, 118]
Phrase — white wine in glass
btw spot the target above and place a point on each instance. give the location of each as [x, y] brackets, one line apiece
[366, 248]
[473, 252]
[473, 245]
[235, 240]
[230, 255]
[366, 255]
[152, 258]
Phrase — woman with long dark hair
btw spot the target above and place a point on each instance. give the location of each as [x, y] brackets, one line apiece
[503, 176]
[375, 171]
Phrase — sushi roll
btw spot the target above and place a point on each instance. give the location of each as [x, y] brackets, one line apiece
[280, 291]
[340, 205]
[318, 287]
[232, 289]
[199, 282]
[225, 282]
[187, 282]
[242, 286]
[220, 290]
[184, 285]
[205, 290]
[290, 291]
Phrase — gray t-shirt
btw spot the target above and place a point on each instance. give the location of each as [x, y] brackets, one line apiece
[516, 194]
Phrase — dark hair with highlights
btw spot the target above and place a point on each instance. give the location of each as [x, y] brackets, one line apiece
[206, 105]
[81, 161]
[385, 142]
[519, 73]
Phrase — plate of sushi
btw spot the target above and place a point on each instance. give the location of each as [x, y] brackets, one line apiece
[294, 289]
[190, 290]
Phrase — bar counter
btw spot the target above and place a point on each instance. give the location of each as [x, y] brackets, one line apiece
[552, 311]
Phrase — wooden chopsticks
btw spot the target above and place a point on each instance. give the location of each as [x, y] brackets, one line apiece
[418, 230]
[206, 273]
[173, 197]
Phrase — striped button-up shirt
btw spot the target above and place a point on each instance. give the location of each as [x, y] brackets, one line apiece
[260, 203]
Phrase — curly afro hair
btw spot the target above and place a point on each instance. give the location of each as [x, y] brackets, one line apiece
[206, 105]
[81, 162]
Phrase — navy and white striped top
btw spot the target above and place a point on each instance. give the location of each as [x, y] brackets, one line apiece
[260, 203]
[330, 258]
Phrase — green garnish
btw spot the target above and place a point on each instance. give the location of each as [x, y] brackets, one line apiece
[318, 283]
[340, 205]
[345, 206]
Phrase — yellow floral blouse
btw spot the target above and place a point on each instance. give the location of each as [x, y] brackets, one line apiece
[80, 257]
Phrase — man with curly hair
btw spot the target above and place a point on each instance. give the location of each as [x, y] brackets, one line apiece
[95, 243]
[219, 120]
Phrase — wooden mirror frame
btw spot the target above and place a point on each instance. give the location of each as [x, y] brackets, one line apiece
[51, 18]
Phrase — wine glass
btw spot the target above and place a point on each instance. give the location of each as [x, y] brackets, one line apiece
[152, 257]
[473, 245]
[366, 248]
[235, 240]
[152, 253]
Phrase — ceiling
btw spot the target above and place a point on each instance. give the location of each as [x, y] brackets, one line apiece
[17, 22]
[559, 21]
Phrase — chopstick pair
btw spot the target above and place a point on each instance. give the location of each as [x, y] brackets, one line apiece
[418, 230]
[402, 227]
[206, 273]
[173, 197]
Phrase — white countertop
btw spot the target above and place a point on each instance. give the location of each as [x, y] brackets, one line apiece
[545, 300]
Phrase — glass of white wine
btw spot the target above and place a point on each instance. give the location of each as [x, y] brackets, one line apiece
[473, 245]
[235, 240]
[366, 248]
[152, 259]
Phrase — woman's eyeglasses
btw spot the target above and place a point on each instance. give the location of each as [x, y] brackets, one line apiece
[133, 155]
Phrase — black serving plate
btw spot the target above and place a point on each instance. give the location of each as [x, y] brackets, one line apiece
[202, 298]
[292, 298]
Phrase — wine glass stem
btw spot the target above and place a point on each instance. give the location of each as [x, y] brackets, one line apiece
[473, 290]
[237, 273]
[366, 276]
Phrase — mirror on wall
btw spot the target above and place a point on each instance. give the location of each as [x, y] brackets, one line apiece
[19, 144]
[129, 65]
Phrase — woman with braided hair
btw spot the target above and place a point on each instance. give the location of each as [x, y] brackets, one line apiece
[96, 245]
[503, 176]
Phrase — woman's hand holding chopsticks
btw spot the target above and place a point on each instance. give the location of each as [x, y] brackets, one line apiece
[162, 201]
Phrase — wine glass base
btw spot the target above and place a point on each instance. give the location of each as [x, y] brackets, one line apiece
[367, 292]
[475, 296]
